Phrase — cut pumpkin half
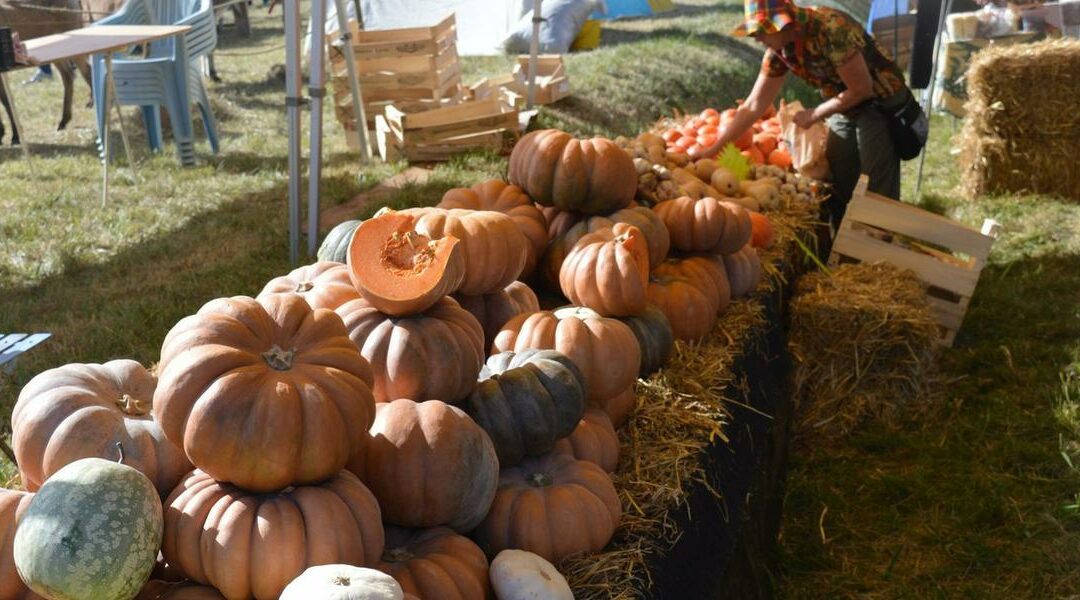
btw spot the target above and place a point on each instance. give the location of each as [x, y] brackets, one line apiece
[399, 271]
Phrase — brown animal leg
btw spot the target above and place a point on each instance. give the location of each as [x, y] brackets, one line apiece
[240, 17]
[7, 108]
[84, 70]
[67, 76]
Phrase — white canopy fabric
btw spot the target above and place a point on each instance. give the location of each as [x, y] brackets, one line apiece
[481, 24]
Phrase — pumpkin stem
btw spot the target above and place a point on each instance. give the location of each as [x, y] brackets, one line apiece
[397, 555]
[539, 480]
[341, 580]
[278, 359]
[304, 286]
[132, 406]
[120, 450]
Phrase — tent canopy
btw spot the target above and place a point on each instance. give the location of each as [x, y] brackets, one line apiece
[632, 8]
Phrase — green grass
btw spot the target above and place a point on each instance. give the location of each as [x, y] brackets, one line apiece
[979, 500]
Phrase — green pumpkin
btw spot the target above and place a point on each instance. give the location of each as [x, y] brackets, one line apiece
[92, 531]
[526, 401]
[655, 336]
[335, 247]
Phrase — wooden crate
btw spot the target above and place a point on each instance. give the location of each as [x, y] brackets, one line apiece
[899, 35]
[491, 87]
[437, 134]
[552, 83]
[416, 67]
[945, 255]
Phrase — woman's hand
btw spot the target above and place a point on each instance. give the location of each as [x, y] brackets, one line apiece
[805, 118]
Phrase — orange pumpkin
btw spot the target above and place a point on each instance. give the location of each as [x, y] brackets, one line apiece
[706, 271]
[252, 545]
[559, 221]
[765, 142]
[435, 354]
[399, 270]
[264, 393]
[743, 271]
[654, 230]
[604, 349]
[498, 196]
[705, 225]
[592, 176]
[494, 310]
[551, 505]
[436, 563]
[608, 271]
[323, 284]
[618, 406]
[690, 308]
[780, 158]
[83, 410]
[495, 249]
[12, 505]
[429, 464]
[763, 235]
[593, 440]
[164, 590]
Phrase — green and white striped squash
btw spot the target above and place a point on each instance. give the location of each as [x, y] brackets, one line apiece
[92, 531]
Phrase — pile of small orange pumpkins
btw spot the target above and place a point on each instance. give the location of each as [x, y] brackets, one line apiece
[762, 143]
[403, 404]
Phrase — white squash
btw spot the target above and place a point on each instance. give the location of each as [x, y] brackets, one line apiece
[521, 575]
[724, 181]
[342, 582]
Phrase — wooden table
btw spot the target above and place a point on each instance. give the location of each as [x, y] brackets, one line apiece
[104, 39]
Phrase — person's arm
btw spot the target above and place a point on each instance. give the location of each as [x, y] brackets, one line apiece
[859, 88]
[765, 91]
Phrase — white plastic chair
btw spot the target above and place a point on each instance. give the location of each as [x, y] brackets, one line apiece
[169, 76]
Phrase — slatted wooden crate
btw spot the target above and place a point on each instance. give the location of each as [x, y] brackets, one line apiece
[491, 87]
[438, 134]
[946, 256]
[552, 84]
[417, 66]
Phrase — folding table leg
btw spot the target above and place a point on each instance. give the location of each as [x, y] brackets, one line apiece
[110, 82]
[17, 123]
[105, 134]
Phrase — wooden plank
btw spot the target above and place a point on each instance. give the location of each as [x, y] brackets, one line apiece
[10, 339]
[95, 40]
[930, 270]
[922, 225]
[507, 120]
[445, 116]
[18, 343]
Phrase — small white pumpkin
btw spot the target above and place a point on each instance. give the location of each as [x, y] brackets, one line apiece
[342, 582]
[521, 575]
[724, 181]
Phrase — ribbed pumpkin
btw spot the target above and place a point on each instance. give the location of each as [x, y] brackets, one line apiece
[608, 271]
[264, 393]
[400, 271]
[495, 249]
[521, 575]
[342, 582]
[494, 310]
[252, 545]
[335, 246]
[743, 271]
[594, 439]
[436, 563]
[603, 348]
[618, 406]
[526, 401]
[12, 505]
[551, 505]
[509, 200]
[323, 284]
[705, 271]
[429, 464]
[92, 531]
[559, 221]
[82, 410]
[592, 176]
[705, 225]
[433, 355]
[690, 309]
[164, 590]
[647, 221]
[655, 338]
[763, 235]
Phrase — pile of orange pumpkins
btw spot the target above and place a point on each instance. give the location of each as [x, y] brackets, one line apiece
[762, 143]
[404, 404]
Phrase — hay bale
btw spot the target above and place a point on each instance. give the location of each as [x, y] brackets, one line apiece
[1022, 123]
[864, 341]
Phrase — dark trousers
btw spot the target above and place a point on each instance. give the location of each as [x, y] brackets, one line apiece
[859, 143]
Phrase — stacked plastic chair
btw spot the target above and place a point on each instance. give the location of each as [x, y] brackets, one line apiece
[168, 76]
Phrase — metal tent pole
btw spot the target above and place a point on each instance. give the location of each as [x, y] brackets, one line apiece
[354, 83]
[292, 111]
[534, 51]
[928, 98]
[316, 91]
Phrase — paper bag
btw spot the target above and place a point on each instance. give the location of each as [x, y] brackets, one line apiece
[807, 145]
